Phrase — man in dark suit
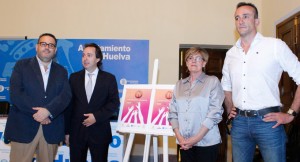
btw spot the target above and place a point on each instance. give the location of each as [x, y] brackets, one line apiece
[39, 92]
[95, 99]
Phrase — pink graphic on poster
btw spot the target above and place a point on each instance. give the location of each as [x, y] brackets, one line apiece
[161, 107]
[136, 106]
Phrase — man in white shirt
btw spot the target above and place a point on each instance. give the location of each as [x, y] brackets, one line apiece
[251, 73]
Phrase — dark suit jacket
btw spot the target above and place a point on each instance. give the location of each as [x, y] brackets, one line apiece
[103, 103]
[27, 91]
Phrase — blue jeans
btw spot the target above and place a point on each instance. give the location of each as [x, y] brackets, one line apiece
[247, 132]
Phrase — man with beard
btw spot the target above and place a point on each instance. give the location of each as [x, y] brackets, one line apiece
[39, 92]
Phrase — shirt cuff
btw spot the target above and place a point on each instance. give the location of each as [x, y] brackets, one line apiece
[174, 123]
[209, 124]
[226, 88]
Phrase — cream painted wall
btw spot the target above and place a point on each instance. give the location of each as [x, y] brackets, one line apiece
[274, 12]
[166, 24]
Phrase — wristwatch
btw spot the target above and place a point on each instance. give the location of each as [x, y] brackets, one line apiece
[292, 112]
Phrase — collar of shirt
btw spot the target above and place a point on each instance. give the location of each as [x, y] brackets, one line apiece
[256, 39]
[200, 78]
[42, 66]
[95, 72]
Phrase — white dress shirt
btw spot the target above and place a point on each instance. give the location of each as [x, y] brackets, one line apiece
[45, 73]
[253, 77]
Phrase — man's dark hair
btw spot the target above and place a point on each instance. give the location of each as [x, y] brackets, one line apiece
[248, 4]
[98, 52]
[47, 34]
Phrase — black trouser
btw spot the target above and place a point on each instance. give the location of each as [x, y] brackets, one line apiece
[78, 152]
[200, 154]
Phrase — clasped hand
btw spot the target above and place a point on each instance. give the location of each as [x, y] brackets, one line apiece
[90, 120]
[42, 115]
[188, 143]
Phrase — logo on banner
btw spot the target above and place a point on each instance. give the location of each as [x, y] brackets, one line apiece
[116, 142]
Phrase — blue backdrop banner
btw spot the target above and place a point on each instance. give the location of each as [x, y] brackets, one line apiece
[126, 59]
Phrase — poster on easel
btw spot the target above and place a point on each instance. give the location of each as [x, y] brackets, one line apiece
[144, 109]
[155, 113]
[159, 124]
[134, 108]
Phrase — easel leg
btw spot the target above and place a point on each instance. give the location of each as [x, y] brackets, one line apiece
[155, 149]
[165, 148]
[128, 147]
[146, 149]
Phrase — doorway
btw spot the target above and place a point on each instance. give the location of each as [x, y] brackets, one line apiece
[289, 32]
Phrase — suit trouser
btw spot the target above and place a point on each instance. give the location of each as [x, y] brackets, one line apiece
[78, 151]
[23, 152]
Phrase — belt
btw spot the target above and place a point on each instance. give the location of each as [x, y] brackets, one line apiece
[261, 112]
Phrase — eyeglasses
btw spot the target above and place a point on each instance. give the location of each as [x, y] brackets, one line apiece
[50, 45]
[196, 59]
